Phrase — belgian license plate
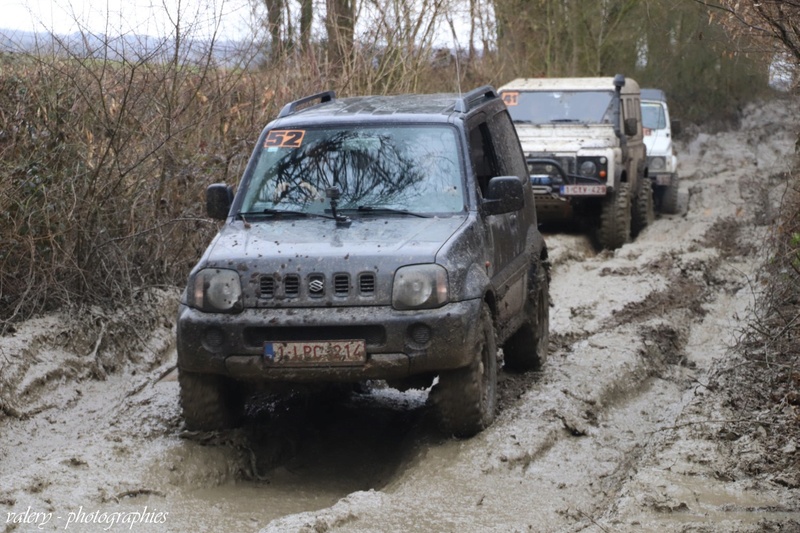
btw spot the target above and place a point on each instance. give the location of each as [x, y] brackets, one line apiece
[345, 352]
[583, 190]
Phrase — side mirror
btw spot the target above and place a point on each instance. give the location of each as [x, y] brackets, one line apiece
[631, 126]
[675, 126]
[219, 198]
[504, 195]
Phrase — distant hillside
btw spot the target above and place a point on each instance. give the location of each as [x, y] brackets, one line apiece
[133, 48]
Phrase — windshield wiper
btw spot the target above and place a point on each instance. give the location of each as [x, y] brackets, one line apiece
[521, 121]
[565, 120]
[383, 210]
[278, 213]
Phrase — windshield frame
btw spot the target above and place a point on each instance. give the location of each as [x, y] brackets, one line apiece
[249, 175]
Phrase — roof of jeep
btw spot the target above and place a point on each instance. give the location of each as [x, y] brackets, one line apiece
[568, 84]
[654, 94]
[399, 108]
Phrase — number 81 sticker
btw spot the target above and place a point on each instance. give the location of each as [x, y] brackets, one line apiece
[284, 139]
[510, 98]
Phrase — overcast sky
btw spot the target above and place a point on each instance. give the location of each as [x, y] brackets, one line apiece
[228, 19]
[114, 17]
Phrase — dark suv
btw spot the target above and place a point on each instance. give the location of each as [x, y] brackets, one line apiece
[373, 238]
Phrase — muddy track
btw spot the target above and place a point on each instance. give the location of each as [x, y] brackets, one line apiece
[618, 432]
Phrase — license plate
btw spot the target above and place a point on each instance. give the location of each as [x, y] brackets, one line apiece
[583, 190]
[663, 179]
[346, 352]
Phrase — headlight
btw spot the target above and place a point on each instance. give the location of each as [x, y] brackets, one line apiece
[419, 287]
[657, 163]
[588, 168]
[216, 290]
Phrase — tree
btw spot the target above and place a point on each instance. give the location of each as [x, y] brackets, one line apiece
[566, 37]
[275, 26]
[340, 27]
[773, 22]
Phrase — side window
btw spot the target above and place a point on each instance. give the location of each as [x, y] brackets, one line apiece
[482, 155]
[506, 146]
[629, 111]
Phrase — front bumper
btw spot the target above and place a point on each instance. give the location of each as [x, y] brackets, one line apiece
[663, 179]
[398, 343]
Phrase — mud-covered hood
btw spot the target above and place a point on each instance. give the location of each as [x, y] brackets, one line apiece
[561, 138]
[321, 238]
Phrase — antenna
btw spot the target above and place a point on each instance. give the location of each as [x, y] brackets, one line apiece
[455, 42]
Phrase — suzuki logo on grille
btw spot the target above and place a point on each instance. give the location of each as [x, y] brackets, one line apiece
[316, 286]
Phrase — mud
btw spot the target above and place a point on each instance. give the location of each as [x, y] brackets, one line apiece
[623, 429]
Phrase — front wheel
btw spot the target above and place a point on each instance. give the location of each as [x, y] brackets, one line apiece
[466, 398]
[527, 348]
[615, 218]
[209, 402]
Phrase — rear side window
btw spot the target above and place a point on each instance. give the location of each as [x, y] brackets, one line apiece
[482, 154]
[511, 162]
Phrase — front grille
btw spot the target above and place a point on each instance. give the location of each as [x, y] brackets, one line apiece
[256, 336]
[291, 285]
[269, 286]
[341, 284]
[538, 166]
[316, 285]
[366, 284]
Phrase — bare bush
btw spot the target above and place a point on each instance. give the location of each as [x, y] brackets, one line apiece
[103, 164]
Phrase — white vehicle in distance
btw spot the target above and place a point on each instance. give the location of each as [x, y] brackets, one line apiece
[661, 159]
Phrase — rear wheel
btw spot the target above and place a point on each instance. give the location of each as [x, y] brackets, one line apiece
[466, 398]
[615, 218]
[643, 212]
[209, 401]
[527, 348]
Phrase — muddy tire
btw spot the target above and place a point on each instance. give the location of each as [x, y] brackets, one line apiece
[466, 398]
[527, 348]
[669, 198]
[643, 212]
[615, 218]
[209, 402]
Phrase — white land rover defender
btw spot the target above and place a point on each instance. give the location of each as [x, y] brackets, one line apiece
[583, 140]
[661, 159]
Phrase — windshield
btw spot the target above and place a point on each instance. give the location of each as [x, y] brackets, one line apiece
[653, 117]
[404, 168]
[545, 107]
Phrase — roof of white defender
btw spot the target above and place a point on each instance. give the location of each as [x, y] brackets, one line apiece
[568, 84]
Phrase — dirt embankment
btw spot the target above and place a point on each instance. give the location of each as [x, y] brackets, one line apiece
[626, 429]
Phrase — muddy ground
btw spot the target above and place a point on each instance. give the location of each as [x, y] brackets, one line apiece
[627, 428]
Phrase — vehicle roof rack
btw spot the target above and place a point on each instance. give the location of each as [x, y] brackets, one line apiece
[292, 107]
[466, 102]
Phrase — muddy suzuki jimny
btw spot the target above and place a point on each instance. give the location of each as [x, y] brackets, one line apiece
[371, 238]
